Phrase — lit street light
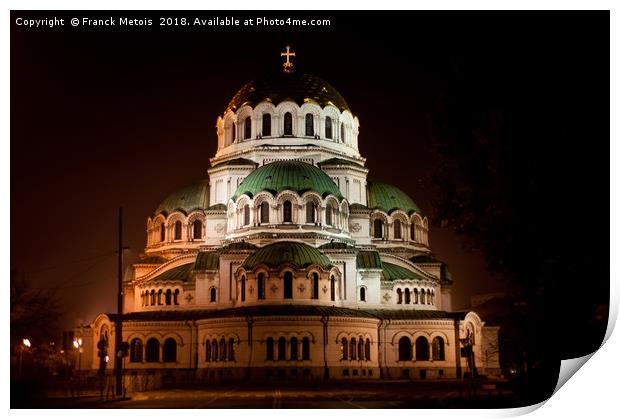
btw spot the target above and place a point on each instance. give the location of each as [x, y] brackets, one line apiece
[25, 344]
[77, 343]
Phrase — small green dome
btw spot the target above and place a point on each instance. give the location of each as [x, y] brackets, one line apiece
[277, 254]
[187, 199]
[288, 175]
[389, 198]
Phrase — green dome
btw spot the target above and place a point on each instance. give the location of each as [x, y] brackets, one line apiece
[277, 254]
[389, 198]
[280, 86]
[187, 199]
[288, 175]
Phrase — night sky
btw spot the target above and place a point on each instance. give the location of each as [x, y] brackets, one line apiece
[109, 117]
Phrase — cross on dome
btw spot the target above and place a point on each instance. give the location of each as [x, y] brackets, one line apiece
[288, 65]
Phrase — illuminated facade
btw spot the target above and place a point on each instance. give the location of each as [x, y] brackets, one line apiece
[288, 262]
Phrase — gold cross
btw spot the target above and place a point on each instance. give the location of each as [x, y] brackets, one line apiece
[288, 65]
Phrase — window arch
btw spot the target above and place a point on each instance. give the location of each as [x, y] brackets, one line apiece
[353, 349]
[294, 348]
[288, 285]
[178, 230]
[266, 125]
[309, 125]
[264, 212]
[207, 351]
[288, 123]
[288, 211]
[305, 349]
[399, 293]
[360, 349]
[243, 288]
[176, 297]
[159, 294]
[281, 349]
[246, 215]
[407, 296]
[310, 213]
[415, 296]
[170, 350]
[314, 286]
[214, 350]
[233, 129]
[261, 286]
[342, 133]
[344, 346]
[422, 296]
[135, 350]
[152, 350]
[328, 214]
[332, 286]
[397, 230]
[367, 350]
[222, 349]
[212, 295]
[377, 229]
[404, 349]
[162, 232]
[168, 297]
[247, 128]
[421, 349]
[198, 229]
[413, 235]
[152, 297]
[328, 127]
[438, 349]
[363, 294]
[231, 349]
[269, 349]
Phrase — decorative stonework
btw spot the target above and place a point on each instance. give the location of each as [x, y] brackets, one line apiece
[189, 298]
[251, 289]
[220, 228]
[324, 289]
[387, 297]
[301, 288]
[356, 227]
[274, 288]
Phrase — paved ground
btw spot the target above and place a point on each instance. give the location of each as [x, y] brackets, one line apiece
[300, 395]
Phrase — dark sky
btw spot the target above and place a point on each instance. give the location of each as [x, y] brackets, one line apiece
[103, 117]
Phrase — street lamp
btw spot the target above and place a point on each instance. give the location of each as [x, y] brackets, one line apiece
[77, 343]
[25, 344]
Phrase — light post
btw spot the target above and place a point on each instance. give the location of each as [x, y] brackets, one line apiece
[25, 344]
[77, 343]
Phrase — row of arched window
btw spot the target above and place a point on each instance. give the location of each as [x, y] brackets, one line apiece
[422, 351]
[160, 297]
[151, 352]
[424, 296]
[281, 350]
[380, 231]
[355, 349]
[313, 214]
[163, 232]
[261, 283]
[220, 351]
[265, 129]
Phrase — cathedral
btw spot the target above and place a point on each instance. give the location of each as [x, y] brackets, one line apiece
[287, 262]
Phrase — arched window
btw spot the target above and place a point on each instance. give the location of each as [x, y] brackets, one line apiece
[328, 127]
[234, 132]
[264, 212]
[399, 292]
[397, 231]
[222, 349]
[176, 297]
[422, 296]
[170, 350]
[293, 349]
[168, 297]
[353, 348]
[247, 128]
[213, 295]
[243, 288]
[328, 214]
[162, 232]
[363, 294]
[332, 286]
[178, 228]
[198, 229]
[342, 133]
[261, 286]
[135, 350]
[288, 124]
[310, 212]
[438, 349]
[246, 215]
[266, 125]
[360, 349]
[207, 351]
[378, 229]
[159, 294]
[415, 296]
[288, 285]
[288, 212]
[367, 350]
[281, 349]
[413, 232]
[404, 349]
[315, 285]
[421, 349]
[309, 125]
[269, 349]
[152, 350]
[231, 349]
[344, 347]
[407, 296]
[305, 349]
[152, 297]
[432, 295]
[214, 350]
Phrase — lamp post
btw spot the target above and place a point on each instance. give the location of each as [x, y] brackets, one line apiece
[77, 343]
[25, 344]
